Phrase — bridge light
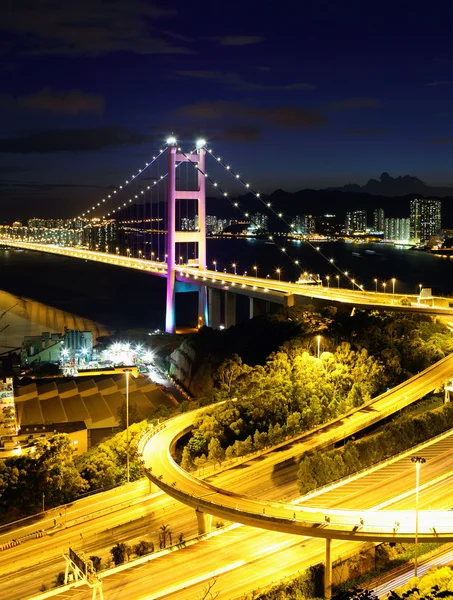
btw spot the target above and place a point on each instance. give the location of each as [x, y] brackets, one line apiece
[171, 141]
[200, 143]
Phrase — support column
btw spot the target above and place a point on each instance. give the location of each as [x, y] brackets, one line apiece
[204, 522]
[214, 307]
[328, 571]
[230, 309]
[258, 307]
[203, 318]
[171, 226]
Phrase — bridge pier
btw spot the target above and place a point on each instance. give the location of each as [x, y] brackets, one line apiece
[230, 309]
[204, 522]
[214, 302]
[203, 314]
[258, 307]
[328, 571]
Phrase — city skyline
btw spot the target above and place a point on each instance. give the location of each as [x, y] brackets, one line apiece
[296, 98]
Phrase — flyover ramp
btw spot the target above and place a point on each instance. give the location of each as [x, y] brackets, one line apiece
[353, 525]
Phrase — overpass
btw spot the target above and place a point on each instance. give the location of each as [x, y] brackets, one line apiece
[352, 525]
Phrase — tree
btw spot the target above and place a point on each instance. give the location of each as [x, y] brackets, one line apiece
[97, 562]
[143, 548]
[187, 461]
[166, 532]
[134, 415]
[120, 552]
[216, 453]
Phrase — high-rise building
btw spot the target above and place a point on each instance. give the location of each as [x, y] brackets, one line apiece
[378, 219]
[356, 221]
[259, 221]
[304, 224]
[425, 219]
[397, 230]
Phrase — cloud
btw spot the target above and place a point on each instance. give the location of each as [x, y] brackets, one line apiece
[72, 140]
[441, 141]
[436, 83]
[86, 27]
[240, 40]
[351, 103]
[72, 103]
[285, 117]
[241, 133]
[366, 131]
[236, 82]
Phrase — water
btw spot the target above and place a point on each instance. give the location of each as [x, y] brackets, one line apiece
[124, 299]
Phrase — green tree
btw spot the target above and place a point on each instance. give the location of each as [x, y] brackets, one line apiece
[97, 562]
[143, 548]
[216, 453]
[187, 461]
[120, 553]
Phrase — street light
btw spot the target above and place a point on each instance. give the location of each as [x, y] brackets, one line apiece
[384, 285]
[318, 337]
[328, 281]
[127, 371]
[234, 265]
[375, 283]
[278, 271]
[353, 283]
[255, 268]
[338, 281]
[417, 460]
[393, 283]
[214, 262]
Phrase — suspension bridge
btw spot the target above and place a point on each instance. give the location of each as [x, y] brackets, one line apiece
[172, 223]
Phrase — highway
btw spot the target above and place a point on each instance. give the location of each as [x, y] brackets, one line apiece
[244, 558]
[274, 290]
[272, 476]
[353, 525]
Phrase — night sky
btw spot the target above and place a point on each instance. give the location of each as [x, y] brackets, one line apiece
[295, 94]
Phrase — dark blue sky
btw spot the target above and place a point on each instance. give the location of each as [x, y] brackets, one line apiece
[295, 94]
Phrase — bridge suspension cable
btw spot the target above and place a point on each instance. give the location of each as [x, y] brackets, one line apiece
[283, 249]
[123, 186]
[270, 208]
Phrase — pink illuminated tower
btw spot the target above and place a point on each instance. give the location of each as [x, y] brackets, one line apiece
[174, 236]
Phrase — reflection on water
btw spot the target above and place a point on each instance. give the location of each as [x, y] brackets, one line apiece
[21, 316]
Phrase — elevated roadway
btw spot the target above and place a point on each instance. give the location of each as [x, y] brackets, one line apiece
[279, 292]
[323, 522]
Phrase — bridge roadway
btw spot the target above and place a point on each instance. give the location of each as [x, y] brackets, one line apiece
[357, 525]
[273, 290]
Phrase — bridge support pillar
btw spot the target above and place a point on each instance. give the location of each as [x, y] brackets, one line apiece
[258, 307]
[230, 309]
[214, 307]
[203, 315]
[204, 522]
[328, 571]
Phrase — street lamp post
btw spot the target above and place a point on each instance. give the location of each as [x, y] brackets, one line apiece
[338, 281]
[417, 460]
[375, 283]
[278, 271]
[353, 283]
[393, 292]
[384, 285]
[234, 265]
[214, 262]
[318, 337]
[255, 268]
[127, 371]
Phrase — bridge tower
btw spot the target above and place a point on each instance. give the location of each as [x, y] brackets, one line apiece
[174, 236]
